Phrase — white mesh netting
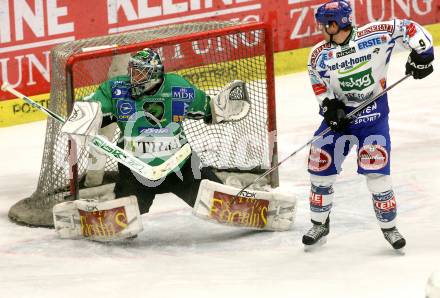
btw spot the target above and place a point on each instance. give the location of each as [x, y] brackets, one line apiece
[207, 60]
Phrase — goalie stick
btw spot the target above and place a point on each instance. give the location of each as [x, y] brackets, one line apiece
[111, 150]
[351, 116]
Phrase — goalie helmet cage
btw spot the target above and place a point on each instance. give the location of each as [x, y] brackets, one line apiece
[209, 55]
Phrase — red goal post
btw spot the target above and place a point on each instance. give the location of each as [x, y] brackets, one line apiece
[209, 55]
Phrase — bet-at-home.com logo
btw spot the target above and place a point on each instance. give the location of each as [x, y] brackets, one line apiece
[358, 81]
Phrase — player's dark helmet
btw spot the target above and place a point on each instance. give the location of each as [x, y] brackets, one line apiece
[146, 71]
[338, 11]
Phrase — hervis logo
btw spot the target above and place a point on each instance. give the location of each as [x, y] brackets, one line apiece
[358, 81]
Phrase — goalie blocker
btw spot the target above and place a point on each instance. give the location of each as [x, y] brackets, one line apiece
[255, 209]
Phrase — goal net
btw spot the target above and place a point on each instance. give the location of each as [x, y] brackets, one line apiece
[209, 55]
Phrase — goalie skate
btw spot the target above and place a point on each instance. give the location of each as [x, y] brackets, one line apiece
[316, 236]
[394, 238]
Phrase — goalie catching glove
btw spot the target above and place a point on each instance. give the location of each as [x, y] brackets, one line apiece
[231, 104]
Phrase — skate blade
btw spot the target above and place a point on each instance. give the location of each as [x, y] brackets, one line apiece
[400, 251]
[318, 244]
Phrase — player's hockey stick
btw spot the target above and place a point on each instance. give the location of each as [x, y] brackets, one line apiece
[114, 152]
[351, 116]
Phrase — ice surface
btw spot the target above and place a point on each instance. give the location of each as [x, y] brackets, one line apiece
[179, 255]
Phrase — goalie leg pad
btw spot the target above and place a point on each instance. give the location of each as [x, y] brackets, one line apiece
[98, 220]
[255, 209]
[66, 220]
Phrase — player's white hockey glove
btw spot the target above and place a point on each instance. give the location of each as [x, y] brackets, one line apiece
[419, 65]
[231, 104]
[84, 121]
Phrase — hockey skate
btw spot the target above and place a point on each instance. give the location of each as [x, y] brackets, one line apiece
[316, 234]
[394, 238]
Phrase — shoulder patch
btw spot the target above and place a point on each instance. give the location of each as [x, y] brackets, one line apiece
[183, 93]
[120, 89]
[376, 28]
[316, 52]
[180, 109]
[124, 109]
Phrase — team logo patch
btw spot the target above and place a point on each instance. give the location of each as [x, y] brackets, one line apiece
[243, 211]
[101, 223]
[350, 65]
[149, 131]
[375, 41]
[182, 93]
[372, 157]
[125, 108]
[322, 60]
[319, 160]
[315, 199]
[367, 118]
[411, 29]
[385, 206]
[346, 52]
[180, 108]
[317, 53]
[319, 89]
[120, 92]
[358, 81]
[154, 112]
[358, 97]
[376, 28]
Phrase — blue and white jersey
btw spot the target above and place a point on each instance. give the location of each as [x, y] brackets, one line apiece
[357, 71]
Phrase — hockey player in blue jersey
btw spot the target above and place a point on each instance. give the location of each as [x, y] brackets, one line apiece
[345, 69]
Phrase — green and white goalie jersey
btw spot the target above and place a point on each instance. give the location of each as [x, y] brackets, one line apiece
[151, 125]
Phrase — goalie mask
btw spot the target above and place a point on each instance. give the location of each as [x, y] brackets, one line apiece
[145, 70]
